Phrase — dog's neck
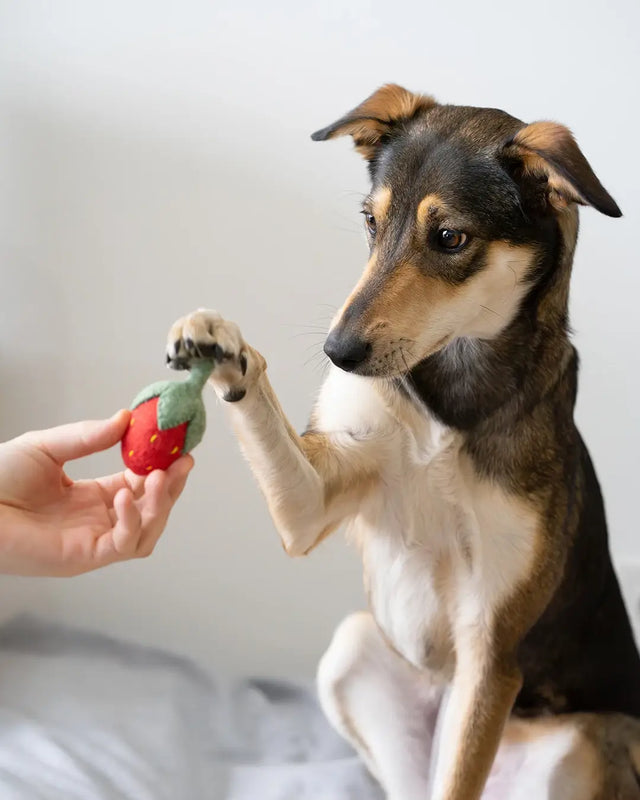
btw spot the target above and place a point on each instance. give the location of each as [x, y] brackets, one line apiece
[472, 381]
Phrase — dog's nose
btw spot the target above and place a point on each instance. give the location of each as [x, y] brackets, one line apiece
[346, 351]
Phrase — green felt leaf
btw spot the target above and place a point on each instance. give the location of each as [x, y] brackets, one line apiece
[180, 402]
[195, 430]
[149, 392]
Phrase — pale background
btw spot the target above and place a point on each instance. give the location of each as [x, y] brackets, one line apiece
[155, 157]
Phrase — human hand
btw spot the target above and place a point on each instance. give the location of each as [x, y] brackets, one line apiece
[52, 525]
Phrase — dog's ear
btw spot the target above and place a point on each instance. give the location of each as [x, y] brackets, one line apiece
[547, 149]
[374, 119]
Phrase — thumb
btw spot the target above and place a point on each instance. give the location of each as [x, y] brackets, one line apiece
[78, 439]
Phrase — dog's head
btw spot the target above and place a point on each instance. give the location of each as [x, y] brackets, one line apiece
[465, 207]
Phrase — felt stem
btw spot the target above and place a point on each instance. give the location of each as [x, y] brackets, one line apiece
[199, 373]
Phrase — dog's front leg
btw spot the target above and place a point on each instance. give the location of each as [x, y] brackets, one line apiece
[311, 482]
[485, 685]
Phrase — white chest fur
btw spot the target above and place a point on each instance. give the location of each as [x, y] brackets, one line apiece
[442, 549]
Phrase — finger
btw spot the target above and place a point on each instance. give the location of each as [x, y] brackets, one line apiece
[78, 439]
[110, 484]
[156, 494]
[177, 474]
[154, 507]
[128, 528]
[135, 482]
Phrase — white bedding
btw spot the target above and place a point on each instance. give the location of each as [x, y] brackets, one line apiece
[87, 717]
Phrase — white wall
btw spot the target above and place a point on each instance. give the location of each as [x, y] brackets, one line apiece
[155, 157]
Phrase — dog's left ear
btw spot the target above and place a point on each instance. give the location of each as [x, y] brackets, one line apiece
[374, 119]
[549, 150]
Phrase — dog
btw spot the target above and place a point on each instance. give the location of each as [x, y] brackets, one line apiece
[496, 659]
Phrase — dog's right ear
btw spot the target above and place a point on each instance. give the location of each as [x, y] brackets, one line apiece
[549, 150]
[374, 119]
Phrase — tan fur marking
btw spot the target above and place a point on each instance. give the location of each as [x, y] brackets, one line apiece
[584, 765]
[324, 456]
[580, 775]
[406, 296]
[366, 276]
[609, 748]
[487, 678]
[392, 102]
[536, 141]
[543, 136]
[369, 121]
[380, 202]
[549, 149]
[426, 206]
[429, 311]
[561, 193]
[488, 702]
[522, 731]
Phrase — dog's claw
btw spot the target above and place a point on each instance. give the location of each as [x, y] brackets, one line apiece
[178, 363]
[210, 351]
[205, 335]
[193, 348]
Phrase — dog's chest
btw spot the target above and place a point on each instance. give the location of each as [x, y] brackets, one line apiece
[442, 549]
[416, 532]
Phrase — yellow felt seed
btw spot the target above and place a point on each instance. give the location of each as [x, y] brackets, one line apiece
[132, 421]
[149, 468]
[175, 450]
[154, 437]
[130, 453]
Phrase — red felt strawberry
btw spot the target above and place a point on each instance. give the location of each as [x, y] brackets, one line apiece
[168, 420]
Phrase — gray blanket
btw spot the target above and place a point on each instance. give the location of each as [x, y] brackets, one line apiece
[87, 717]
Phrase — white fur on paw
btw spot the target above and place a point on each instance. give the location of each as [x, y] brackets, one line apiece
[205, 334]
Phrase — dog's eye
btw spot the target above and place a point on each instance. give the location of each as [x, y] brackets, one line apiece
[371, 223]
[451, 240]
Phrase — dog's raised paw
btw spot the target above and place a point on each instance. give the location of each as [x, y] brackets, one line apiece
[205, 334]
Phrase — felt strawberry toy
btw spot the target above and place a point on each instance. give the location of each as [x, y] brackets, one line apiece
[168, 420]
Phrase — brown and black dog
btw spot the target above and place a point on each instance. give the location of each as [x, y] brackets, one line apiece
[496, 659]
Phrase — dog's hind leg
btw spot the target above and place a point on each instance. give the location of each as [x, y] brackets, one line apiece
[567, 757]
[382, 705]
[387, 710]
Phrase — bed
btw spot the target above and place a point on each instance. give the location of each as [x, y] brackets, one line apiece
[87, 717]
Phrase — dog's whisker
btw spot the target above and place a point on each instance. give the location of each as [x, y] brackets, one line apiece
[486, 308]
[321, 367]
[318, 354]
[317, 346]
[308, 333]
[515, 275]
[311, 327]
[404, 359]
[350, 229]
[352, 193]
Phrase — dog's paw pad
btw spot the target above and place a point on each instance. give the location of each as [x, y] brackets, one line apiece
[234, 395]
